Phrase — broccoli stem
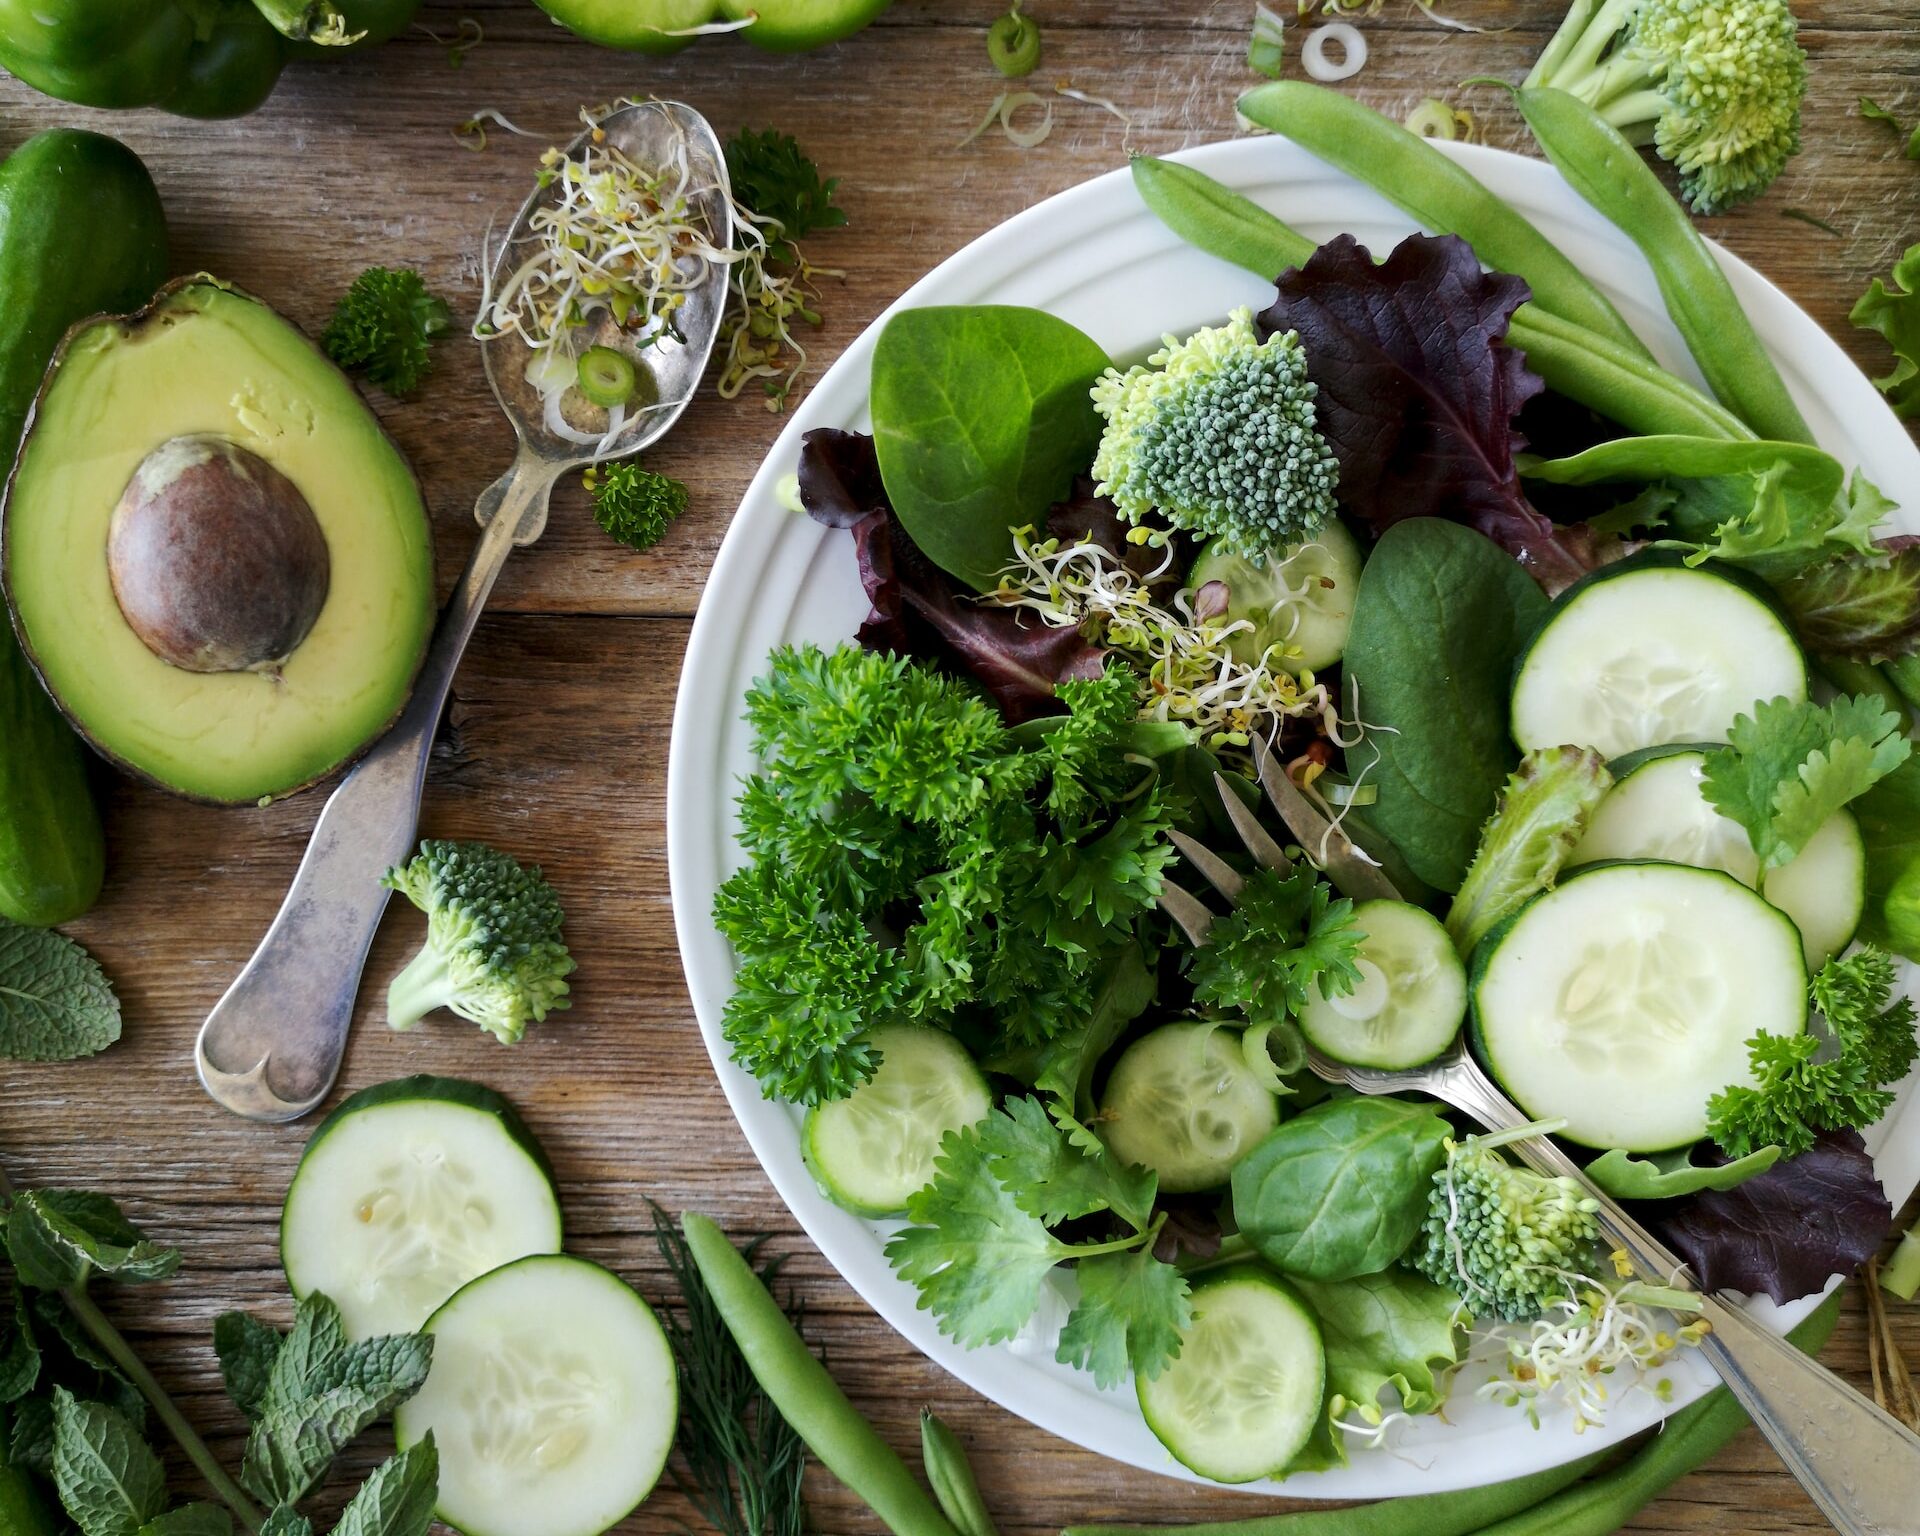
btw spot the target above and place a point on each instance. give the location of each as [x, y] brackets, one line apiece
[1900, 1275]
[424, 984]
[1576, 61]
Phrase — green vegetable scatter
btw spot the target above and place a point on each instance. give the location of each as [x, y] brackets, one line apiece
[382, 328]
[913, 862]
[494, 951]
[634, 505]
[1509, 1240]
[1804, 1084]
[55, 1002]
[1216, 434]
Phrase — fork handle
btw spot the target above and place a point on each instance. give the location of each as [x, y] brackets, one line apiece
[1858, 1463]
[272, 1046]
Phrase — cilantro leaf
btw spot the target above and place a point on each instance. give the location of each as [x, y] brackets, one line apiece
[977, 1258]
[398, 1499]
[55, 1001]
[59, 1238]
[1803, 1084]
[1788, 766]
[1060, 1173]
[1131, 1313]
[1285, 932]
[247, 1349]
[321, 1392]
[109, 1480]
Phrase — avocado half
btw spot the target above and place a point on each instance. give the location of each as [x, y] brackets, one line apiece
[217, 561]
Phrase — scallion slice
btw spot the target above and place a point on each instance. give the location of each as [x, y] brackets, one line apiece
[607, 378]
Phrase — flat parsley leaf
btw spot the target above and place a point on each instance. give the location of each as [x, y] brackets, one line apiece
[1058, 1175]
[1788, 766]
[977, 1258]
[1285, 932]
[1131, 1313]
[109, 1480]
[59, 1238]
[55, 1001]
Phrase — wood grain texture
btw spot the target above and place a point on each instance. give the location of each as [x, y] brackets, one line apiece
[555, 745]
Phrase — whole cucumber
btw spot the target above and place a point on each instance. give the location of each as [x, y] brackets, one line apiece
[81, 233]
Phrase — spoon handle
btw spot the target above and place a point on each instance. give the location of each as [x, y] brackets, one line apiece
[272, 1045]
[1856, 1461]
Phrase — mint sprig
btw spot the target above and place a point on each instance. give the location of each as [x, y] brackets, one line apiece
[55, 1001]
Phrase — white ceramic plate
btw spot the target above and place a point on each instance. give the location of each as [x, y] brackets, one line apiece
[1096, 257]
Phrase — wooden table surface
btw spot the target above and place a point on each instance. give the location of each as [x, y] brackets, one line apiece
[556, 741]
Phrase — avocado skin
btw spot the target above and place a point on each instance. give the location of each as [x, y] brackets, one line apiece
[160, 311]
[81, 231]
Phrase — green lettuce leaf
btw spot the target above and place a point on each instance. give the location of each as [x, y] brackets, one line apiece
[1389, 1330]
[1894, 311]
[1668, 1175]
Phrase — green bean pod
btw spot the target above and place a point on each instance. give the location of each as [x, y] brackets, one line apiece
[951, 1476]
[805, 1394]
[1610, 174]
[1613, 380]
[1410, 173]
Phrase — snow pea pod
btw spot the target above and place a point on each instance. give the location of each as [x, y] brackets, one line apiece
[1410, 173]
[951, 1475]
[805, 1394]
[1610, 174]
[1615, 381]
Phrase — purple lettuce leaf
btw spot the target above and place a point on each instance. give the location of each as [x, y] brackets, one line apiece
[1419, 393]
[918, 609]
[1787, 1231]
[1862, 607]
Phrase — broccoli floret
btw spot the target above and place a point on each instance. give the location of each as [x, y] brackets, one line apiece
[1713, 85]
[1217, 435]
[635, 505]
[382, 326]
[1508, 1239]
[494, 953]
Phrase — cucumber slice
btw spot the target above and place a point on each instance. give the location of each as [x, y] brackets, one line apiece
[1621, 1001]
[552, 1400]
[1250, 1383]
[874, 1148]
[1300, 602]
[1656, 810]
[406, 1192]
[1409, 1001]
[1184, 1102]
[1649, 653]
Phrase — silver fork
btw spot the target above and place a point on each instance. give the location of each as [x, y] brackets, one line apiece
[1860, 1465]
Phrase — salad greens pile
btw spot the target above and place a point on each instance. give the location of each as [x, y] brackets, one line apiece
[1555, 776]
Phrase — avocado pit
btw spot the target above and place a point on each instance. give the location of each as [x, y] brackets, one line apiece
[217, 562]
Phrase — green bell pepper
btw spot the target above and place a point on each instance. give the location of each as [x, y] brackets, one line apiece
[199, 58]
[661, 26]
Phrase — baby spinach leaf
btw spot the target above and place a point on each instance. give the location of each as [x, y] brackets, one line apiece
[1440, 617]
[109, 1480]
[982, 417]
[1130, 1315]
[1340, 1190]
[398, 1499]
[61, 1237]
[55, 1001]
[1668, 1175]
[1386, 1330]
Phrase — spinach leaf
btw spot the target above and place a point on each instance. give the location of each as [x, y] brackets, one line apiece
[1386, 1330]
[1440, 617]
[1668, 1175]
[1889, 817]
[982, 417]
[1340, 1190]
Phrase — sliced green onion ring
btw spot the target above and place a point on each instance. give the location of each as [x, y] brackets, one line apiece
[1013, 43]
[606, 377]
[1266, 51]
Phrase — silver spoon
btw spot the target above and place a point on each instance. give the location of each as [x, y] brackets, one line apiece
[272, 1045]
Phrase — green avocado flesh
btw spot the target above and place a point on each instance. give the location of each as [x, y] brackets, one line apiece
[247, 695]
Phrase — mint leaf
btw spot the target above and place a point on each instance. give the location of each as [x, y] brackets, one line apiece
[398, 1499]
[55, 1001]
[1057, 1178]
[975, 1255]
[19, 1354]
[1131, 1314]
[191, 1520]
[321, 1392]
[286, 1521]
[59, 1238]
[1386, 1330]
[1788, 766]
[109, 1481]
[247, 1349]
